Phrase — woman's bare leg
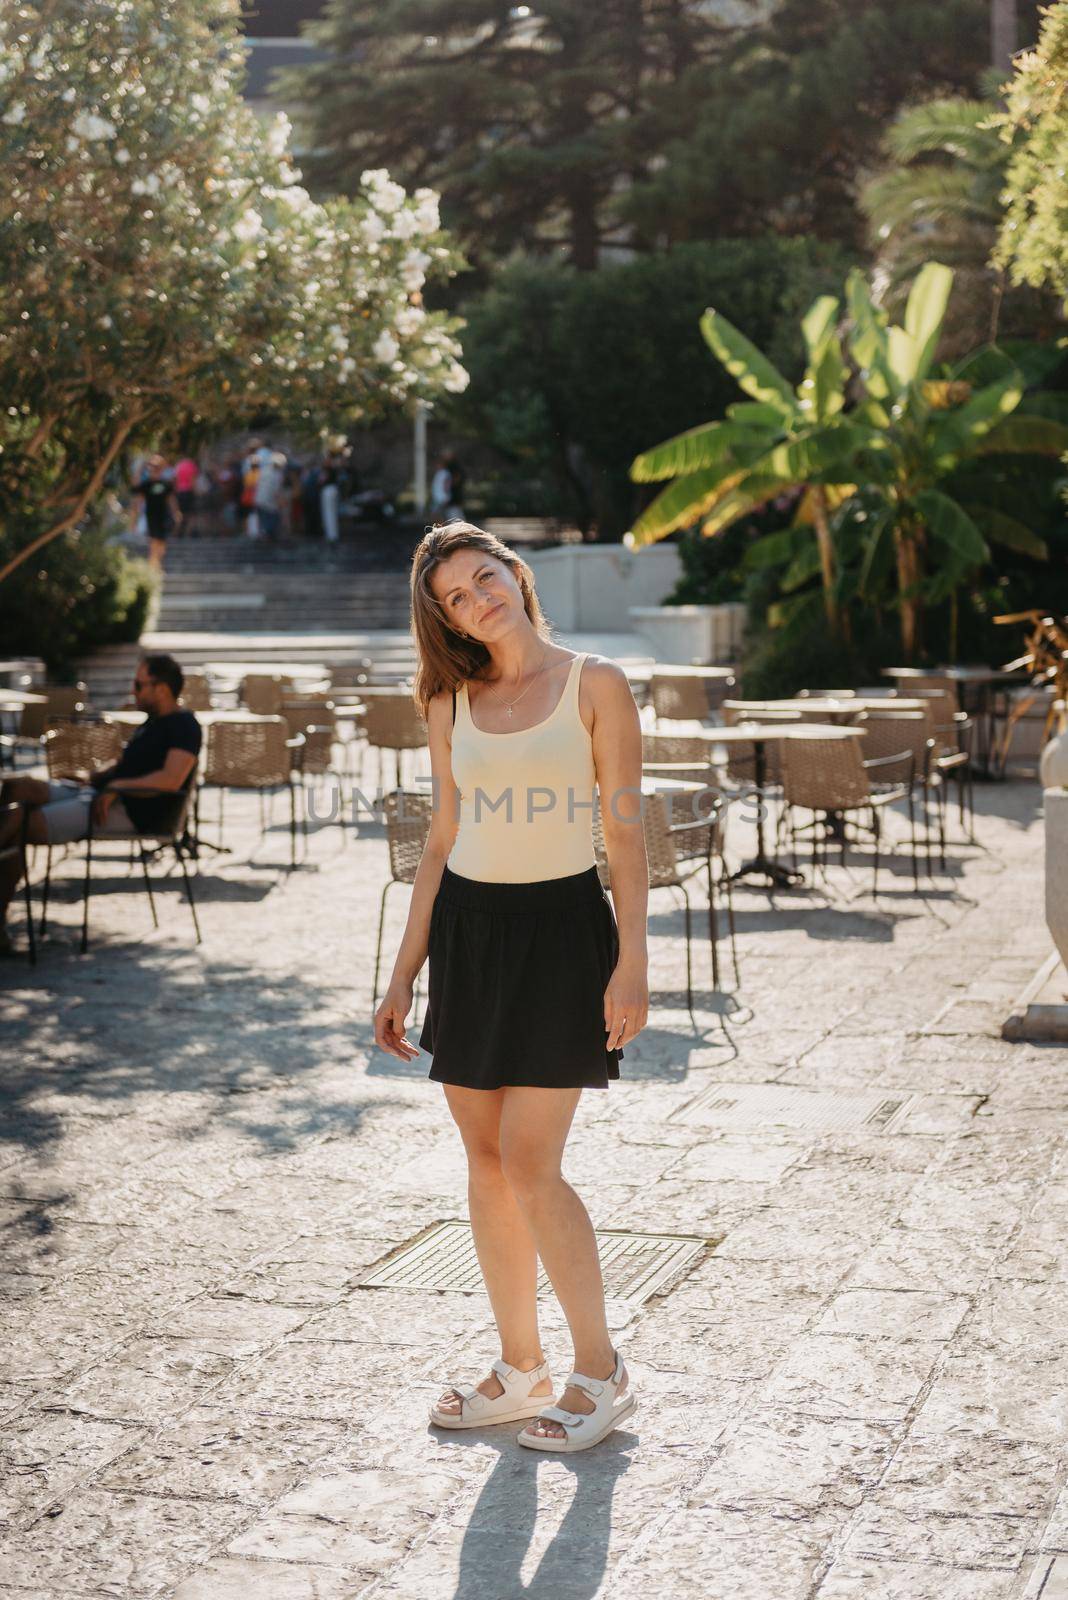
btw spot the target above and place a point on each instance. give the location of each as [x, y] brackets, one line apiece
[503, 1242]
[534, 1126]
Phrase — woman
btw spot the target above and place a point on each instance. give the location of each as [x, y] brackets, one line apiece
[533, 989]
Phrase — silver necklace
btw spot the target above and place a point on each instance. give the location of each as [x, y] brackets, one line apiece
[518, 697]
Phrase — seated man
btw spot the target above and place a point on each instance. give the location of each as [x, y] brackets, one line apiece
[160, 755]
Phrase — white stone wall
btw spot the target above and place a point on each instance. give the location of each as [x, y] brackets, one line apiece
[590, 587]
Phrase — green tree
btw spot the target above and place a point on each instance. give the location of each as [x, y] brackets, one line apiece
[1033, 244]
[161, 265]
[775, 133]
[531, 120]
[939, 195]
[572, 372]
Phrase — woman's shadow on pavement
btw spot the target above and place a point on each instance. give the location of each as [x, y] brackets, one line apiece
[504, 1525]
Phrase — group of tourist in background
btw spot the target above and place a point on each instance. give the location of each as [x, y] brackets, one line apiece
[262, 494]
[266, 494]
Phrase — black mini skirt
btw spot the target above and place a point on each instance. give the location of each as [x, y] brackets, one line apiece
[518, 973]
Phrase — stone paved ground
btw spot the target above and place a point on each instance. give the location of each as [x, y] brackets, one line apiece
[862, 1391]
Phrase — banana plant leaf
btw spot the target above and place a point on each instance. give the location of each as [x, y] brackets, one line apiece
[1026, 435]
[775, 549]
[954, 432]
[798, 613]
[747, 365]
[869, 342]
[924, 315]
[754, 491]
[805, 565]
[950, 526]
[1001, 529]
[684, 502]
[711, 444]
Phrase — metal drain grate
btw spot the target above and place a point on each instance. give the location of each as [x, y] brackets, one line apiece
[755, 1105]
[635, 1265]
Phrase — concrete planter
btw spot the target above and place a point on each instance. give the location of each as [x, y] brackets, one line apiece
[590, 588]
[1040, 1013]
[1055, 805]
[710, 635]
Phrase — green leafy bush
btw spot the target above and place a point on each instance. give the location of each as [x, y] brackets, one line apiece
[80, 592]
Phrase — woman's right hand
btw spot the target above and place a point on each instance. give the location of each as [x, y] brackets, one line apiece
[390, 1019]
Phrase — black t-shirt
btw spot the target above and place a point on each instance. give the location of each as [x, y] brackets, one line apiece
[156, 492]
[147, 752]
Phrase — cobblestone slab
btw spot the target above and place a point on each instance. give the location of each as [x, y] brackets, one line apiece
[858, 1393]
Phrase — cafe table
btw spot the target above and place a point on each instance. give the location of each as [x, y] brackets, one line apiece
[778, 875]
[14, 700]
[983, 680]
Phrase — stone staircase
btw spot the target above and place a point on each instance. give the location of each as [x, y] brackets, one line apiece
[236, 585]
[234, 600]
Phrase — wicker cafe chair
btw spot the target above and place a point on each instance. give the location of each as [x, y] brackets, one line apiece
[668, 870]
[952, 732]
[260, 756]
[685, 696]
[830, 778]
[903, 741]
[262, 692]
[16, 851]
[392, 722]
[196, 692]
[176, 837]
[72, 749]
[690, 753]
[408, 819]
[60, 702]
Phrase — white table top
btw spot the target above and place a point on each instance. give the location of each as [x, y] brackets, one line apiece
[977, 674]
[752, 732]
[130, 718]
[15, 699]
[642, 671]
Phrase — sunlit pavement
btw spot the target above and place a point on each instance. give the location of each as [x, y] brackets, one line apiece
[859, 1389]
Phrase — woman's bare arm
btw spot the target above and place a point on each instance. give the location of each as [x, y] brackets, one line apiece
[617, 757]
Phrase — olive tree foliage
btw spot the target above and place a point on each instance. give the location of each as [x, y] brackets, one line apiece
[162, 265]
[1033, 243]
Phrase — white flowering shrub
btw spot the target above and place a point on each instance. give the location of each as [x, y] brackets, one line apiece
[160, 263]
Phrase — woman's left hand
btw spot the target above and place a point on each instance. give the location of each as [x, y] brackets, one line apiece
[626, 1003]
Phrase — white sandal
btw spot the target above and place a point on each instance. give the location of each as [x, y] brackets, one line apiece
[585, 1428]
[478, 1410]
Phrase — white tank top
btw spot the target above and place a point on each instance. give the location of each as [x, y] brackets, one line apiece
[526, 798]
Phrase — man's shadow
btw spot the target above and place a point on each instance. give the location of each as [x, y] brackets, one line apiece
[504, 1523]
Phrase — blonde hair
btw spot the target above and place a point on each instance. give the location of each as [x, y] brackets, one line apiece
[446, 658]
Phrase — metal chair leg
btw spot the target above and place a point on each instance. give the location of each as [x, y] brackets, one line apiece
[876, 825]
[689, 961]
[45, 888]
[730, 925]
[148, 886]
[180, 853]
[26, 885]
[912, 830]
[713, 932]
[85, 907]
